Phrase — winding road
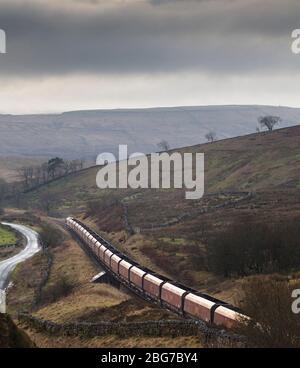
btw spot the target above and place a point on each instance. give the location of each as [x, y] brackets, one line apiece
[31, 248]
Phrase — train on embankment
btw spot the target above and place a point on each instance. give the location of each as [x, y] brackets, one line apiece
[157, 288]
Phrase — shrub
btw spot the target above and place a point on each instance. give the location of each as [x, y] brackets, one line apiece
[268, 302]
[61, 288]
[50, 236]
[170, 263]
[247, 248]
[108, 213]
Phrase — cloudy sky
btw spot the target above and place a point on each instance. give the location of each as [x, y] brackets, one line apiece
[90, 54]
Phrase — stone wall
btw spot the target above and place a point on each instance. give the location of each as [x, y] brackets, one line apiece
[173, 328]
[45, 275]
[229, 203]
[122, 329]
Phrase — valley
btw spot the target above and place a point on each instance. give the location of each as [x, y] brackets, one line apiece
[249, 180]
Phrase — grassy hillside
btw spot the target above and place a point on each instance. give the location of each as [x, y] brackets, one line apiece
[168, 233]
[264, 161]
[250, 180]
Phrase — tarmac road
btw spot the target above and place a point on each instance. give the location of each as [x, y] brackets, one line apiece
[32, 247]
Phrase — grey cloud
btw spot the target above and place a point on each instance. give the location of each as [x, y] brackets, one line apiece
[216, 36]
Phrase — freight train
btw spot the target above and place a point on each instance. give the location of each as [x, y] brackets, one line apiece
[157, 288]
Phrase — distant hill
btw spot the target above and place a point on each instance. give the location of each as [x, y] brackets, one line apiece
[85, 134]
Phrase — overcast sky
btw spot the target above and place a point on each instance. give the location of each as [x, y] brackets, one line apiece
[92, 54]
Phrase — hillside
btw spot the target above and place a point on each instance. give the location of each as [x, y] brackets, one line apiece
[251, 180]
[83, 302]
[9, 166]
[85, 134]
[264, 161]
[161, 229]
[11, 336]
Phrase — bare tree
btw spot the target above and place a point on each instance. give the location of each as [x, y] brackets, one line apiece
[44, 172]
[33, 176]
[81, 164]
[26, 174]
[211, 136]
[163, 145]
[47, 202]
[269, 121]
[3, 189]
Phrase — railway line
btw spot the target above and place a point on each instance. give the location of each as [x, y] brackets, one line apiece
[153, 287]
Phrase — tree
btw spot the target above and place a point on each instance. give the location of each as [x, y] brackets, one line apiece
[163, 145]
[4, 189]
[47, 202]
[33, 176]
[54, 165]
[269, 121]
[211, 136]
[44, 172]
[247, 247]
[26, 174]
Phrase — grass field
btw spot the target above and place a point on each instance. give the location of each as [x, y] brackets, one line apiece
[6, 236]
